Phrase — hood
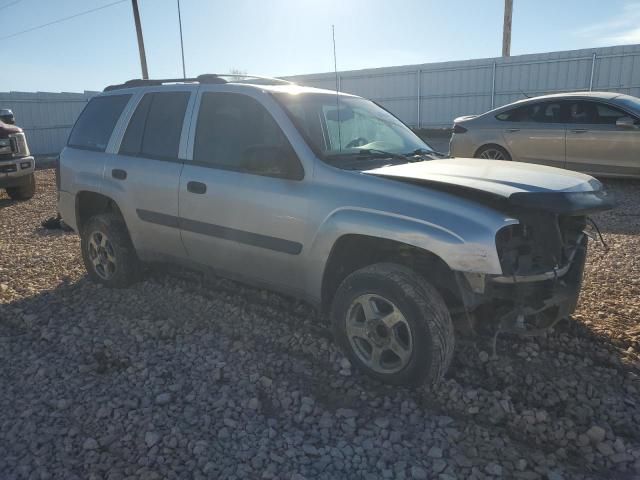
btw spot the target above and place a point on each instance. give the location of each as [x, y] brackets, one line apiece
[6, 129]
[520, 185]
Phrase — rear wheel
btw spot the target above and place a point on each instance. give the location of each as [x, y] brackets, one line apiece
[493, 152]
[107, 251]
[25, 191]
[393, 325]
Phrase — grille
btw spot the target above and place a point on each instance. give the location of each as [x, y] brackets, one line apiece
[8, 168]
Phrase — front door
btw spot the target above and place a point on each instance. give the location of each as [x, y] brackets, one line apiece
[595, 144]
[241, 211]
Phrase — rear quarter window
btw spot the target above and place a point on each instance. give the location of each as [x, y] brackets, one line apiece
[96, 122]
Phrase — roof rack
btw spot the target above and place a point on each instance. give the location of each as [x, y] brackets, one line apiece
[206, 78]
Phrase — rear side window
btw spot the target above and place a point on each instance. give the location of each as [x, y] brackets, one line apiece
[545, 112]
[156, 125]
[96, 122]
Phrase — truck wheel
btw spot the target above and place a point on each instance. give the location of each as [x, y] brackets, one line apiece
[25, 191]
[107, 251]
[393, 325]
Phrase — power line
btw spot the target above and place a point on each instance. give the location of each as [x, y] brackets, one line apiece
[62, 19]
[2, 7]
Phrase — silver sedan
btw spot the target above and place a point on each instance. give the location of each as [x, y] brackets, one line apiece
[592, 132]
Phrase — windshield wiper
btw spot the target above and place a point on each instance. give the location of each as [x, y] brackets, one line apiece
[424, 151]
[368, 153]
[374, 152]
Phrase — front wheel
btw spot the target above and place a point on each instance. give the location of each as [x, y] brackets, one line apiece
[25, 191]
[393, 325]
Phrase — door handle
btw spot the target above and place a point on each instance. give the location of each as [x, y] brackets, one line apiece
[579, 130]
[196, 187]
[512, 130]
[118, 174]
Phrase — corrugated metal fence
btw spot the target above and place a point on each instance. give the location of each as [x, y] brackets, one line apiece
[427, 96]
[432, 95]
[46, 117]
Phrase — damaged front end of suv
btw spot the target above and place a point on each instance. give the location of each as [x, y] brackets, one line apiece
[542, 258]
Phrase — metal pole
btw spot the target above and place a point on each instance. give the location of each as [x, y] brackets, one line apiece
[506, 29]
[143, 57]
[593, 69]
[184, 72]
[493, 86]
[419, 98]
[335, 70]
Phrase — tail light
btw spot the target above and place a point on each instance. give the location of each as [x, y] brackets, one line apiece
[457, 128]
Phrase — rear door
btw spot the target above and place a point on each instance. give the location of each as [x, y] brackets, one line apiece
[534, 133]
[144, 177]
[246, 220]
[595, 144]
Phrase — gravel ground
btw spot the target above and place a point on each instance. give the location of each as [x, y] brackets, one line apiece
[187, 377]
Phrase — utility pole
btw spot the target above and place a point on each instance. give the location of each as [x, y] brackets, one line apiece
[143, 57]
[506, 29]
[184, 72]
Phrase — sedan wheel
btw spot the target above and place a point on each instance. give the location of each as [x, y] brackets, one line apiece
[492, 154]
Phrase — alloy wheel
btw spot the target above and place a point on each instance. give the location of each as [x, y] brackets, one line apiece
[102, 255]
[379, 334]
[492, 154]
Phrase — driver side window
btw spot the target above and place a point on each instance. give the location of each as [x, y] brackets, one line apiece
[235, 132]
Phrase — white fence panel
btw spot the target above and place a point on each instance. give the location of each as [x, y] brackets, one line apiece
[432, 95]
[425, 96]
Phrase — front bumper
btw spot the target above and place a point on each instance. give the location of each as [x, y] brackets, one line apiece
[14, 172]
[527, 306]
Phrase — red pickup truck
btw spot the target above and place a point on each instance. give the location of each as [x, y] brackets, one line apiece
[16, 163]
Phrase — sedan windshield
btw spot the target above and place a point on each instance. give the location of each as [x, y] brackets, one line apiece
[350, 127]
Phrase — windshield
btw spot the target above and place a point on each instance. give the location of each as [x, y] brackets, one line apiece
[356, 127]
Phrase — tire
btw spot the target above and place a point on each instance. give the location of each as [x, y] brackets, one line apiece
[422, 332]
[25, 191]
[493, 152]
[107, 251]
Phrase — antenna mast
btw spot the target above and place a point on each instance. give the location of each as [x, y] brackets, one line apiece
[184, 72]
[335, 69]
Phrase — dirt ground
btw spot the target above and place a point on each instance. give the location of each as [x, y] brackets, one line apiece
[182, 376]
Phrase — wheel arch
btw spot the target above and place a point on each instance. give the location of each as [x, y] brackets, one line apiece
[351, 252]
[89, 203]
[492, 145]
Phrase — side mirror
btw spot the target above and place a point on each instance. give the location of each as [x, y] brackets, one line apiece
[626, 122]
[272, 161]
[7, 117]
[341, 115]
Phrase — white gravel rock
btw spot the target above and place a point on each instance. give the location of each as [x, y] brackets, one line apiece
[185, 376]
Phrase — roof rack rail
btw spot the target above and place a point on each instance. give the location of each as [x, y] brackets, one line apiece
[206, 78]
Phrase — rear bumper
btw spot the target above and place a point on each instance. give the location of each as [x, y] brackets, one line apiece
[67, 208]
[15, 172]
[461, 146]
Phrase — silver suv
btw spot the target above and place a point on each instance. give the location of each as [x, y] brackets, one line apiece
[329, 198]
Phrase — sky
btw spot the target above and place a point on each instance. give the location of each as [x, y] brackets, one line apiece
[284, 37]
